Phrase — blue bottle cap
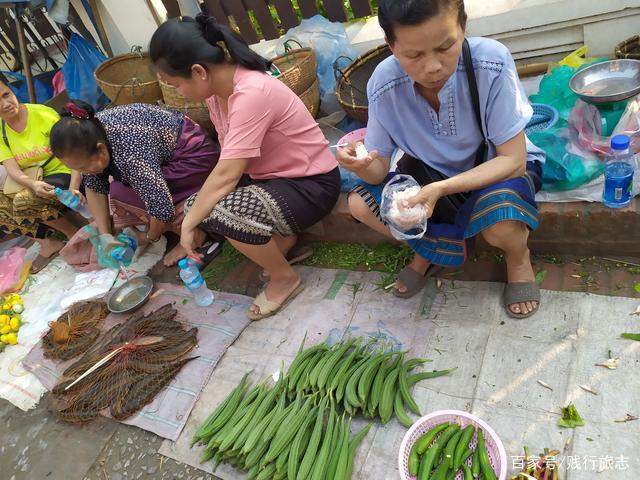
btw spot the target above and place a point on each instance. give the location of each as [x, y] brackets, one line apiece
[620, 142]
[184, 263]
[58, 191]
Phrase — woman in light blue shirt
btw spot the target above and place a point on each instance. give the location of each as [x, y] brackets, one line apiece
[457, 110]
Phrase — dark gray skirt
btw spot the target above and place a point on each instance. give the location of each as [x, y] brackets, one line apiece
[258, 209]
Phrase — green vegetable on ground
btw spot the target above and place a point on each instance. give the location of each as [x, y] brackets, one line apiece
[631, 336]
[299, 428]
[444, 452]
[570, 417]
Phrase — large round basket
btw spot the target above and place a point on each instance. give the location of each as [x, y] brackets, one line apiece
[351, 88]
[196, 111]
[495, 448]
[630, 48]
[311, 98]
[299, 69]
[128, 79]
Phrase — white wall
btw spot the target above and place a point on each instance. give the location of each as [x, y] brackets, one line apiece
[127, 23]
[538, 27]
[532, 29]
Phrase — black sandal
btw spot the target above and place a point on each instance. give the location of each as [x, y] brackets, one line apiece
[209, 251]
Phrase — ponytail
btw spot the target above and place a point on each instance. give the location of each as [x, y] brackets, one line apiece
[180, 43]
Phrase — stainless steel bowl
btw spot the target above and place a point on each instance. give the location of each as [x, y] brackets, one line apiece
[606, 82]
[131, 295]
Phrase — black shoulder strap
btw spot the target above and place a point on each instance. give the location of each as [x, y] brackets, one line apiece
[4, 136]
[475, 99]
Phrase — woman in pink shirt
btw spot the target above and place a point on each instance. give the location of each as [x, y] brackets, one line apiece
[275, 176]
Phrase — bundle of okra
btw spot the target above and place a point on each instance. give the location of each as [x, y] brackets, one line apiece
[444, 450]
[360, 378]
[295, 430]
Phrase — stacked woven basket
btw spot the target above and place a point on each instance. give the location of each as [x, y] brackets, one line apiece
[351, 89]
[130, 79]
[630, 48]
[298, 70]
[196, 111]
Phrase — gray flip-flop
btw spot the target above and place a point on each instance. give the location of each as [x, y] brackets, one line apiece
[413, 281]
[521, 292]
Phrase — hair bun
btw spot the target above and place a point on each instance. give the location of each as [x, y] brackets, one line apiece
[210, 28]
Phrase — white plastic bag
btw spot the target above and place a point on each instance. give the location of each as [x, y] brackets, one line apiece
[329, 41]
[405, 223]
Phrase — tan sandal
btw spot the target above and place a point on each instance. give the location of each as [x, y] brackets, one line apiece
[296, 255]
[269, 308]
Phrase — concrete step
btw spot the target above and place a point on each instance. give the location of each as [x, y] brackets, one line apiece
[578, 228]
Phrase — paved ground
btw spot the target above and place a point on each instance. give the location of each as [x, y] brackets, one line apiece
[34, 446]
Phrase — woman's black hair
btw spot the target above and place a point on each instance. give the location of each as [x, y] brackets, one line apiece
[78, 130]
[180, 43]
[413, 12]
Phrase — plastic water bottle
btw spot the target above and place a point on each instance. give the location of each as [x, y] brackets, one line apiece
[194, 282]
[72, 201]
[618, 173]
[124, 254]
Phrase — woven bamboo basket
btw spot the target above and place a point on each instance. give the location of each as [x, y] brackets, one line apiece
[299, 69]
[351, 88]
[311, 98]
[196, 111]
[128, 79]
[630, 48]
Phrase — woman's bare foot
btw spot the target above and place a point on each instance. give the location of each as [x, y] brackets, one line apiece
[519, 269]
[174, 255]
[49, 246]
[141, 237]
[418, 264]
[279, 289]
[177, 253]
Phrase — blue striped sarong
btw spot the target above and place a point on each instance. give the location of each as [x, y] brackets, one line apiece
[446, 244]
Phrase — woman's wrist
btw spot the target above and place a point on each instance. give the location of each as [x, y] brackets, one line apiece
[442, 188]
[187, 224]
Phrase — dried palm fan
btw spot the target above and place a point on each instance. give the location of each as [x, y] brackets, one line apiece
[126, 368]
[75, 331]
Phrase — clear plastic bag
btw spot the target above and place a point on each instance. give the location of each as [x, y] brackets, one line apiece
[405, 223]
[593, 127]
[565, 169]
[329, 41]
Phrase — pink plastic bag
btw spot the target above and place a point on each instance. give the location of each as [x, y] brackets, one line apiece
[586, 125]
[12, 263]
[58, 83]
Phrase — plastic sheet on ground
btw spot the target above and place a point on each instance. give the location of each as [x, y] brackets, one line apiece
[334, 303]
[218, 327]
[46, 296]
[499, 361]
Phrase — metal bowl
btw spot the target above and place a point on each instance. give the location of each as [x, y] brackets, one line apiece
[606, 82]
[131, 295]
